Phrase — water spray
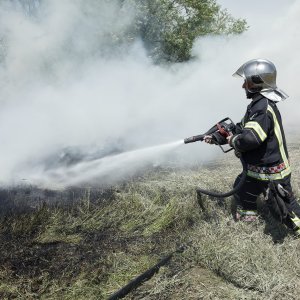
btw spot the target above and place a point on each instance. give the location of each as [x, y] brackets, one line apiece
[109, 167]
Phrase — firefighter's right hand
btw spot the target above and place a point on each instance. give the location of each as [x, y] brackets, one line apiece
[208, 139]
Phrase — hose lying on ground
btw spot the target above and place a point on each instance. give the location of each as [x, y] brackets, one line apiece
[233, 191]
[121, 293]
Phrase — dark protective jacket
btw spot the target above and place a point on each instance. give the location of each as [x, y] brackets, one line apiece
[261, 140]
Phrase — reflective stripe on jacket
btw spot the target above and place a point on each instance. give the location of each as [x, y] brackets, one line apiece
[261, 140]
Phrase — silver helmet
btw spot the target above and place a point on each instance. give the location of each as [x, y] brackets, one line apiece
[260, 76]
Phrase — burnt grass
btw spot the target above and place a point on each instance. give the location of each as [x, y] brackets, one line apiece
[29, 266]
[28, 210]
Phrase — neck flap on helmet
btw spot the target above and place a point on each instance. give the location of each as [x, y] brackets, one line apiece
[274, 95]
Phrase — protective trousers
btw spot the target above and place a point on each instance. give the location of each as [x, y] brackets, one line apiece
[246, 197]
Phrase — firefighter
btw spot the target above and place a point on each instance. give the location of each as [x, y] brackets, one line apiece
[259, 138]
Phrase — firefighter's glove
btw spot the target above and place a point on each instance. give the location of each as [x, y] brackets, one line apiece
[208, 139]
[218, 138]
[276, 198]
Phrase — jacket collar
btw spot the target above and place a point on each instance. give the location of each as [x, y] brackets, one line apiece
[257, 97]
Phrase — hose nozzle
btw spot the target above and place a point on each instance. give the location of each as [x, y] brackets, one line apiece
[194, 138]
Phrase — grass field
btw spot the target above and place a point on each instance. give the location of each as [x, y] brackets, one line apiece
[87, 243]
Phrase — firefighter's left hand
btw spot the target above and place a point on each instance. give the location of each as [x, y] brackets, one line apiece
[208, 139]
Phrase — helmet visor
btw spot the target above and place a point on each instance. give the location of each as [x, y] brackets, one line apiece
[240, 73]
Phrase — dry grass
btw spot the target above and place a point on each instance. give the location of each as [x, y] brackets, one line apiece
[90, 249]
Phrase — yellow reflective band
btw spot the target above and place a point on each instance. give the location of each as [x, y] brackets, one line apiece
[265, 176]
[279, 137]
[296, 220]
[257, 128]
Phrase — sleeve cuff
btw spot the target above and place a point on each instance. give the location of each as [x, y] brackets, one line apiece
[232, 141]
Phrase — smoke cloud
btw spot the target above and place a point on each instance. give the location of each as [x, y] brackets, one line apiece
[65, 86]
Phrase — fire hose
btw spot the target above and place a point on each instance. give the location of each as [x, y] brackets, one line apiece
[231, 192]
[133, 284]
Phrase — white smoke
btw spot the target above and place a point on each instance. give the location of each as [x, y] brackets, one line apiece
[56, 90]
